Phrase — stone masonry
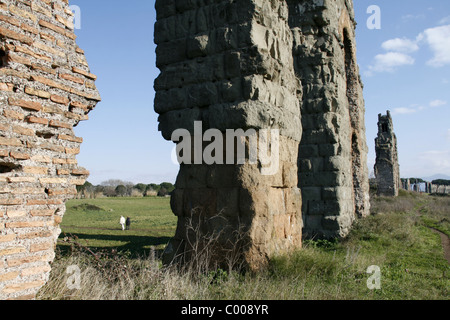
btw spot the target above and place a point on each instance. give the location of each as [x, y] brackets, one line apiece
[229, 65]
[283, 67]
[333, 173]
[387, 170]
[253, 64]
[46, 88]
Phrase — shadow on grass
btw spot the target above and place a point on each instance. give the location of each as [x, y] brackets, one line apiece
[134, 244]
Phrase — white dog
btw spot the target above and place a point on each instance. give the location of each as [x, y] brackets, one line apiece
[122, 222]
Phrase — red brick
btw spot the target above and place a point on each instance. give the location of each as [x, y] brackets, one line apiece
[80, 105]
[26, 224]
[14, 288]
[57, 29]
[18, 59]
[23, 131]
[10, 142]
[70, 138]
[44, 202]
[35, 170]
[13, 114]
[10, 202]
[59, 99]
[16, 36]
[20, 156]
[60, 124]
[84, 73]
[36, 106]
[69, 77]
[37, 120]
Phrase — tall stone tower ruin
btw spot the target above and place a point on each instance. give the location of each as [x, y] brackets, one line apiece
[46, 89]
[265, 65]
[333, 173]
[228, 65]
[387, 170]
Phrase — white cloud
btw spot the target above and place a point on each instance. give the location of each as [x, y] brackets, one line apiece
[390, 61]
[411, 17]
[439, 160]
[445, 20]
[417, 108]
[400, 45]
[438, 39]
[399, 50]
[437, 103]
[403, 111]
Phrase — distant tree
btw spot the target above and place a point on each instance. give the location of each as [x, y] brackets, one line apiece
[99, 189]
[163, 192]
[141, 187]
[87, 186]
[441, 182]
[116, 182]
[86, 190]
[153, 186]
[136, 193]
[150, 193]
[168, 186]
[121, 190]
[416, 180]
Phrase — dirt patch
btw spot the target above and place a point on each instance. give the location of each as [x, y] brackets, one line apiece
[88, 207]
[445, 243]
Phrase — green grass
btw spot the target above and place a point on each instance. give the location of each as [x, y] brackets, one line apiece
[95, 224]
[397, 237]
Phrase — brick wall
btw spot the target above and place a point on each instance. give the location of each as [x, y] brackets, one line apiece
[46, 88]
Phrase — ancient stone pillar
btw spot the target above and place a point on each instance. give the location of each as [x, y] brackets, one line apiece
[387, 171]
[46, 88]
[333, 173]
[228, 66]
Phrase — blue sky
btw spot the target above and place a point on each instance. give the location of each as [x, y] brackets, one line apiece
[405, 67]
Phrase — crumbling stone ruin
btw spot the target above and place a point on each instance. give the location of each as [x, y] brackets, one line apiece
[387, 170]
[46, 88]
[439, 189]
[428, 187]
[333, 173]
[282, 73]
[406, 184]
[264, 65]
[229, 65]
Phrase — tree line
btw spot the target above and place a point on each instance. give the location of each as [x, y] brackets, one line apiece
[441, 182]
[119, 188]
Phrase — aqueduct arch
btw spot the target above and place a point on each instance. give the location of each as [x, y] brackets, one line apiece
[249, 64]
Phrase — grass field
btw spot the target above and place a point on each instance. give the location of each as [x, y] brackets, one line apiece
[399, 237]
[95, 224]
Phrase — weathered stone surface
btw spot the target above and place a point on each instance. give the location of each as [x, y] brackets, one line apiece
[285, 65]
[232, 69]
[387, 169]
[333, 150]
[282, 66]
[46, 89]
